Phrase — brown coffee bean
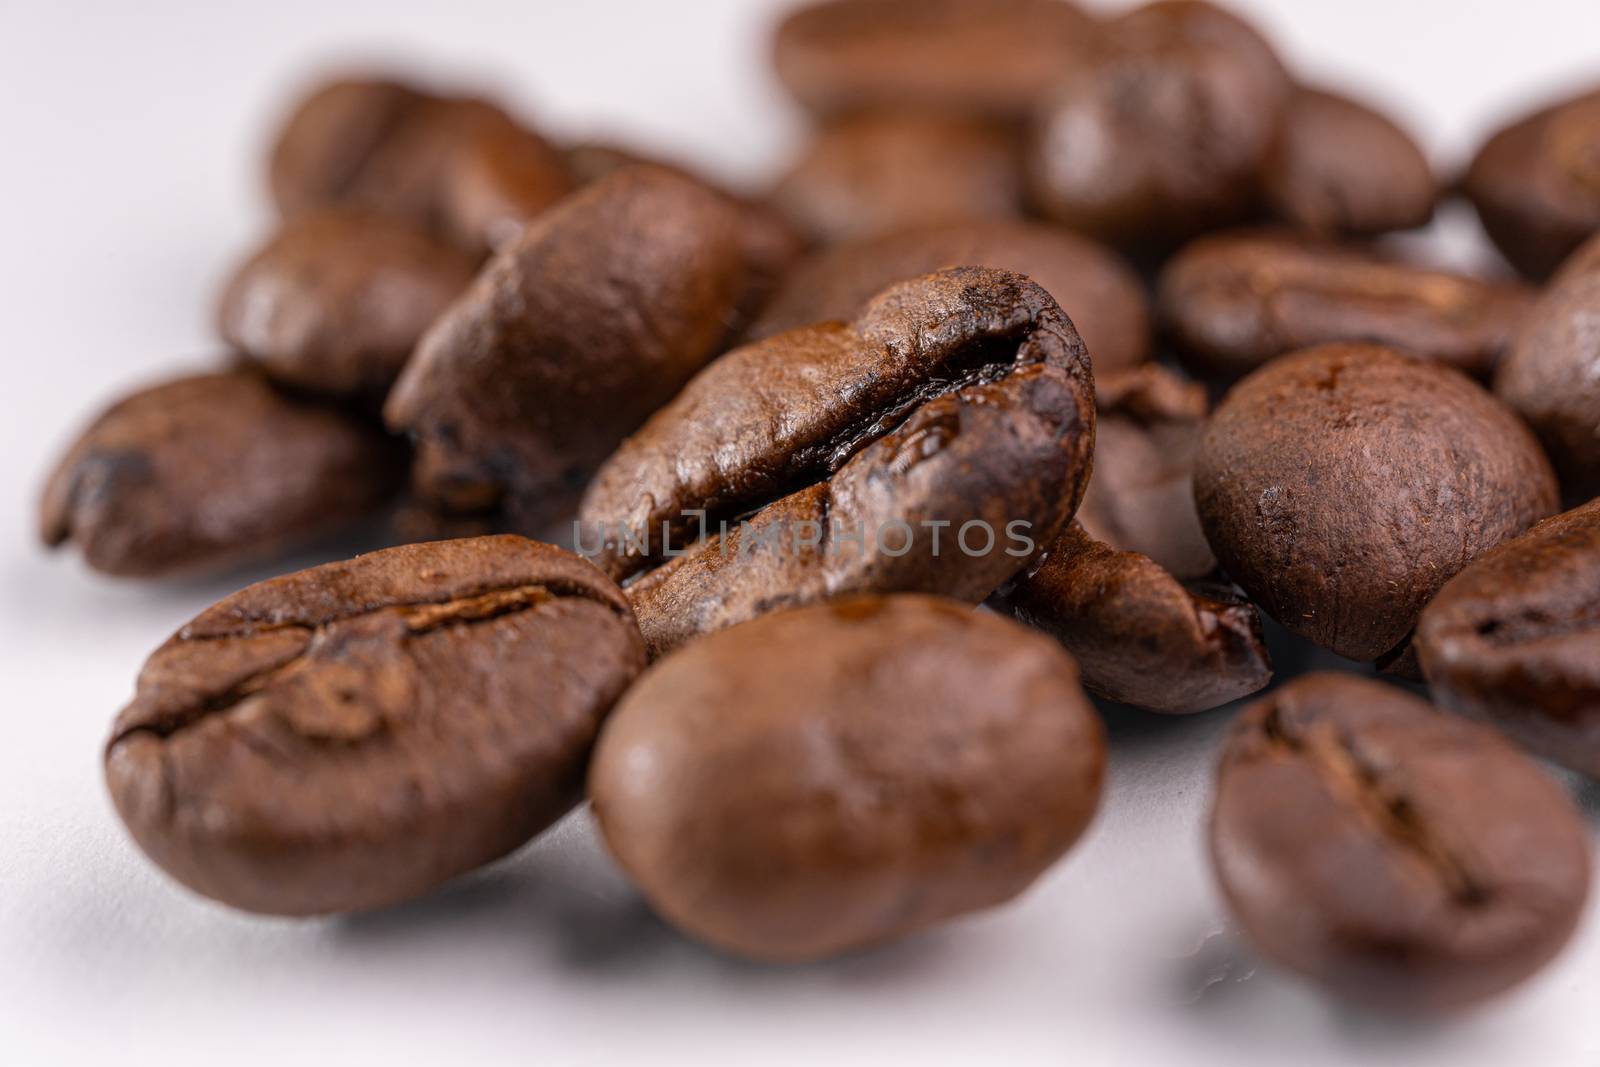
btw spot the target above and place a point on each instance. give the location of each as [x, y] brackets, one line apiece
[457, 166]
[335, 301]
[573, 335]
[1536, 184]
[1339, 167]
[1141, 495]
[1232, 302]
[353, 735]
[848, 773]
[875, 174]
[987, 57]
[212, 470]
[1397, 856]
[1094, 286]
[1515, 639]
[1163, 130]
[963, 396]
[1343, 485]
[1138, 634]
[1551, 374]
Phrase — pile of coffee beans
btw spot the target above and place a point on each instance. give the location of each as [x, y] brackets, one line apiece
[1068, 358]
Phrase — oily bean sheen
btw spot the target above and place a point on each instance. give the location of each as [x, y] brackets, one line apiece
[1395, 855]
[1095, 287]
[1139, 635]
[1551, 375]
[571, 336]
[455, 165]
[1339, 167]
[353, 735]
[335, 301]
[874, 174]
[990, 57]
[1231, 302]
[1343, 485]
[1515, 639]
[210, 470]
[1141, 495]
[847, 773]
[959, 397]
[1163, 130]
[1536, 184]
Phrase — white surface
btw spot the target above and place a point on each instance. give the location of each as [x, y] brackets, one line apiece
[131, 180]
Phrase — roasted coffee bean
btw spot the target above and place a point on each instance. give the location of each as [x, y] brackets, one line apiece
[987, 57]
[1343, 485]
[875, 174]
[1141, 495]
[1395, 855]
[335, 301]
[1163, 130]
[1097, 290]
[1551, 374]
[1515, 639]
[1231, 302]
[960, 397]
[573, 335]
[1139, 635]
[1536, 184]
[455, 165]
[1339, 167]
[353, 735]
[847, 773]
[211, 470]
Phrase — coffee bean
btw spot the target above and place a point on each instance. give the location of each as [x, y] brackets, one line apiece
[1551, 374]
[573, 335]
[875, 174]
[1163, 130]
[1138, 634]
[988, 57]
[1536, 184]
[1232, 302]
[335, 301]
[458, 166]
[843, 774]
[1343, 485]
[1396, 856]
[1515, 639]
[1097, 290]
[1141, 495]
[354, 735]
[212, 470]
[1339, 167]
[958, 397]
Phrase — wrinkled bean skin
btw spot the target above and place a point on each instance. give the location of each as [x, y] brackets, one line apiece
[1138, 634]
[1231, 302]
[598, 314]
[1094, 286]
[209, 471]
[983, 57]
[1536, 184]
[875, 174]
[841, 775]
[1162, 131]
[1396, 856]
[354, 735]
[1342, 168]
[1341, 486]
[1551, 375]
[335, 301]
[1515, 639]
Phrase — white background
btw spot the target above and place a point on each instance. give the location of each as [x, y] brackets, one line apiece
[130, 179]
